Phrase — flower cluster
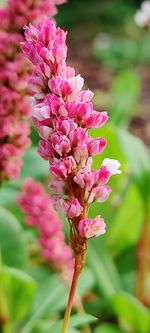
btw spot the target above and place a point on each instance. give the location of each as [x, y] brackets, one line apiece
[15, 108]
[142, 17]
[63, 113]
[35, 203]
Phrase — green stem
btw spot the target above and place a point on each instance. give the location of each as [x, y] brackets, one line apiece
[79, 264]
[80, 309]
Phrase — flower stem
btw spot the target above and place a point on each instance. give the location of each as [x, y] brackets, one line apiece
[79, 264]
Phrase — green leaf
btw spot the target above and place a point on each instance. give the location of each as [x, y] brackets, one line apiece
[75, 321]
[120, 53]
[124, 96]
[86, 281]
[107, 277]
[126, 263]
[107, 328]
[45, 289]
[34, 166]
[20, 290]
[115, 53]
[81, 320]
[125, 227]
[131, 312]
[11, 240]
[3, 3]
[138, 161]
[7, 195]
[113, 150]
[44, 303]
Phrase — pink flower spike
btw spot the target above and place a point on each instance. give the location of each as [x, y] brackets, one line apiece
[39, 213]
[15, 106]
[74, 209]
[89, 228]
[68, 146]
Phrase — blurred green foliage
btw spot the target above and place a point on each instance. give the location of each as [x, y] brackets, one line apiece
[3, 3]
[118, 53]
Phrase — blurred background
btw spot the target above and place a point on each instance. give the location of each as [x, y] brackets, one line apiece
[104, 44]
[113, 55]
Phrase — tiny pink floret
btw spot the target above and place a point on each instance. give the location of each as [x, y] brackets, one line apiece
[89, 228]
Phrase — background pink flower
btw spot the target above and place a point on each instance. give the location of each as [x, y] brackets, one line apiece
[15, 109]
[35, 203]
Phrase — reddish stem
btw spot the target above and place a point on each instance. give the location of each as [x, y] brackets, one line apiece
[79, 264]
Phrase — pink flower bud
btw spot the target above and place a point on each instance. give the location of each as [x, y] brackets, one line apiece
[69, 163]
[84, 96]
[45, 132]
[76, 83]
[101, 176]
[85, 178]
[57, 186]
[96, 146]
[80, 154]
[60, 205]
[74, 209]
[41, 112]
[97, 119]
[65, 126]
[60, 143]
[45, 149]
[92, 227]
[59, 170]
[99, 194]
[60, 86]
